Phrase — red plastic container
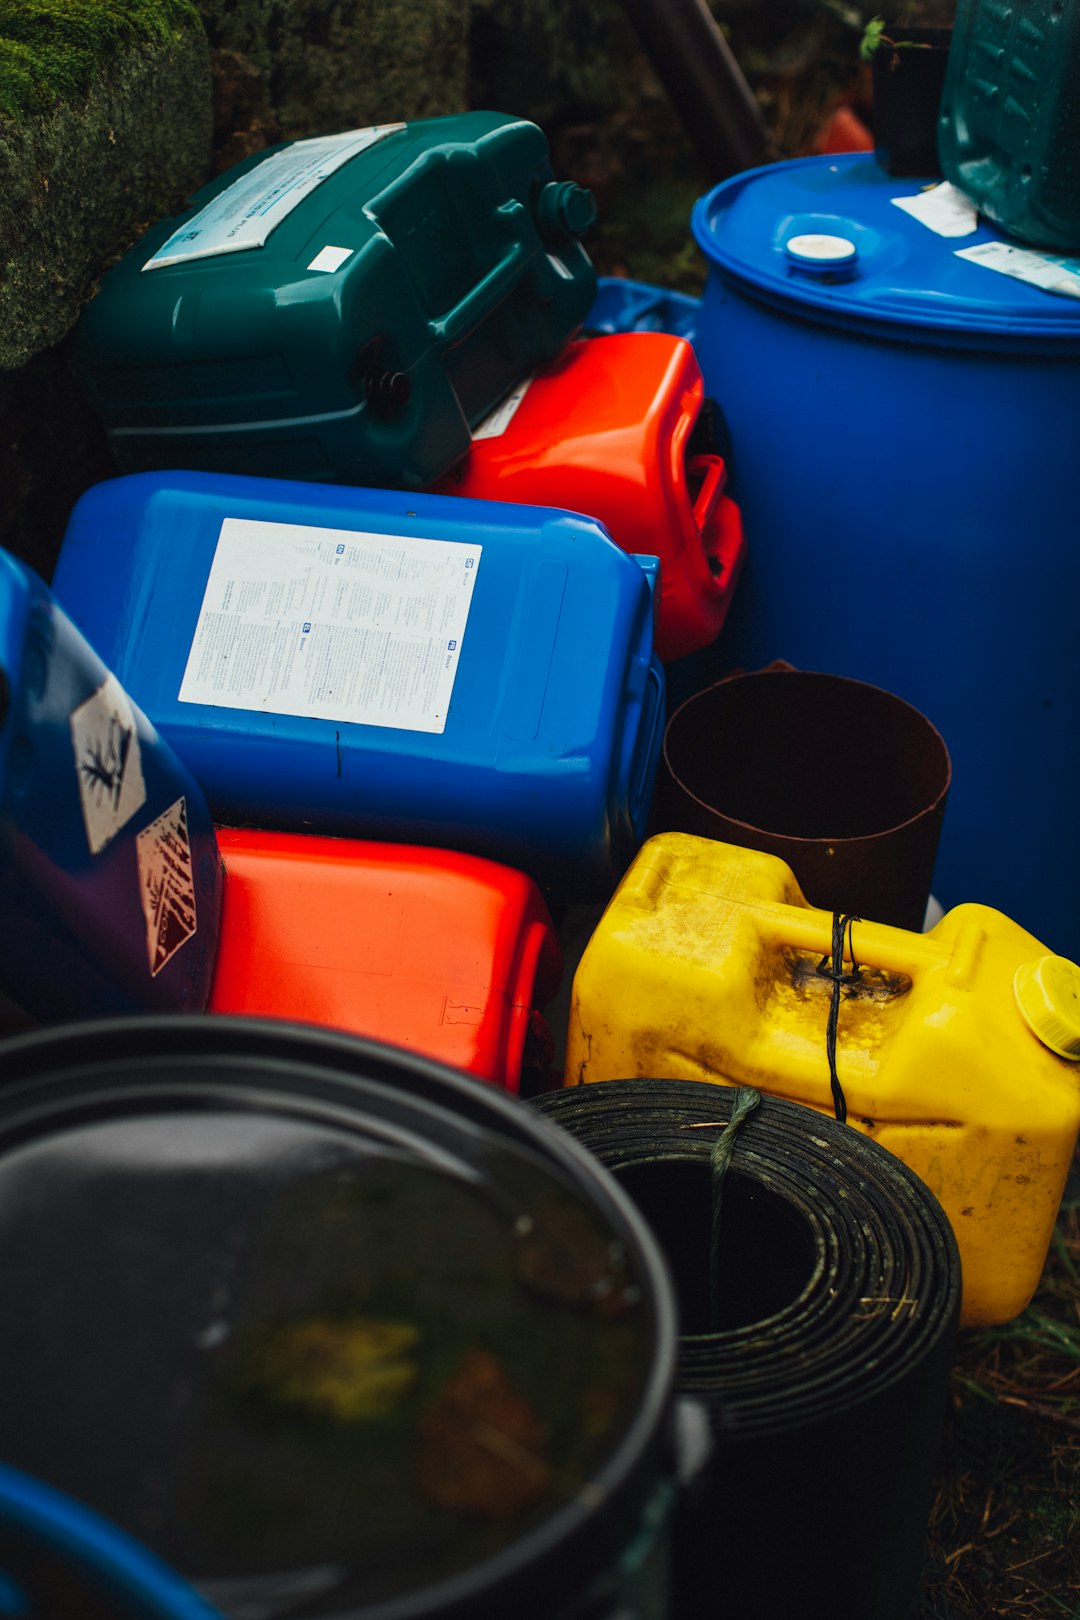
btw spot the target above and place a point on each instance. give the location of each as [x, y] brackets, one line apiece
[608, 429]
[449, 955]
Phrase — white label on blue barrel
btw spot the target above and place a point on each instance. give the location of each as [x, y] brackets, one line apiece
[333, 624]
[108, 762]
[243, 215]
[942, 209]
[166, 884]
[1050, 271]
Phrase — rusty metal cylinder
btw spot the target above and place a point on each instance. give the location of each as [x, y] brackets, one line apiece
[844, 781]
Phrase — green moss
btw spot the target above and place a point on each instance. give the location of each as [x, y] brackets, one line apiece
[50, 50]
[78, 183]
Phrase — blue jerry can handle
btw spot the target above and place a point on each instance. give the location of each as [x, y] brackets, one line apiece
[650, 567]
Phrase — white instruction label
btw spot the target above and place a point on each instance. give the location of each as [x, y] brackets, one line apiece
[333, 624]
[108, 762]
[942, 209]
[243, 215]
[166, 884]
[496, 422]
[1049, 271]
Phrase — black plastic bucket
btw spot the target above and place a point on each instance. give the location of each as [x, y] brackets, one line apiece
[332, 1329]
[908, 74]
[844, 781]
[819, 1332]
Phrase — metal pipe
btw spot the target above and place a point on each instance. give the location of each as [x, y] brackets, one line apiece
[705, 82]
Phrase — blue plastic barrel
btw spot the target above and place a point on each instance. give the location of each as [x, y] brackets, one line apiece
[903, 423]
[110, 881]
[425, 668]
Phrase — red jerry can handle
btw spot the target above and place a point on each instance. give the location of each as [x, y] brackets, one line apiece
[718, 519]
[713, 474]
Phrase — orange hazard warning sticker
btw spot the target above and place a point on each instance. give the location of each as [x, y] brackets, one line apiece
[166, 884]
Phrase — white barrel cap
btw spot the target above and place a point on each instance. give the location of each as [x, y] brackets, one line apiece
[817, 250]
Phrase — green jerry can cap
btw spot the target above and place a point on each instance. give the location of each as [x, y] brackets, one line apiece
[564, 211]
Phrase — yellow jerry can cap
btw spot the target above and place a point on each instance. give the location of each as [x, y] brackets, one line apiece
[1048, 994]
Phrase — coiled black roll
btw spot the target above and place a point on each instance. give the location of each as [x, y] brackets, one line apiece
[820, 1344]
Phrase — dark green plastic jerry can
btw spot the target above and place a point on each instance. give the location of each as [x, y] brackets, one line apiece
[1009, 132]
[342, 309]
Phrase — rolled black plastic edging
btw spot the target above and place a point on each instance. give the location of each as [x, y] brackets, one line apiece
[826, 1376]
[180, 1189]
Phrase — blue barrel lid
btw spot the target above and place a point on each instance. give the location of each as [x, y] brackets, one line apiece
[823, 234]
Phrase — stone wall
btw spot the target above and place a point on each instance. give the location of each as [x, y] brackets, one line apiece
[83, 175]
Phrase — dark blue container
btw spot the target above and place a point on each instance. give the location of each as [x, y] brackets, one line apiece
[621, 305]
[903, 426]
[110, 882]
[425, 668]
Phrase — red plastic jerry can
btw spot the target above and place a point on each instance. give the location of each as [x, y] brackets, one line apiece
[447, 954]
[614, 428]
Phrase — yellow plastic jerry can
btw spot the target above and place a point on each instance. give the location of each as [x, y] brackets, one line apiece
[955, 1049]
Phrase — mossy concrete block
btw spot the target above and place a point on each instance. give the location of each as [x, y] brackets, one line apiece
[79, 183]
[341, 64]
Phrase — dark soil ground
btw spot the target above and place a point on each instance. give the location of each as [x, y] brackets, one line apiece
[1005, 1526]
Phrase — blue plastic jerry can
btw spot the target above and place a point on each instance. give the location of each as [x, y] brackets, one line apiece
[110, 881]
[424, 668]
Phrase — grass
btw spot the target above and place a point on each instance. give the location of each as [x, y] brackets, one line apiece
[1005, 1524]
[51, 49]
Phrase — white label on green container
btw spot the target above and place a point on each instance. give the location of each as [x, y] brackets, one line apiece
[243, 215]
[330, 259]
[166, 884]
[496, 422]
[1049, 271]
[942, 209]
[332, 624]
[107, 762]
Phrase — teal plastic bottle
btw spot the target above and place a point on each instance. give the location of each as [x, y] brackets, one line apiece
[1009, 133]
